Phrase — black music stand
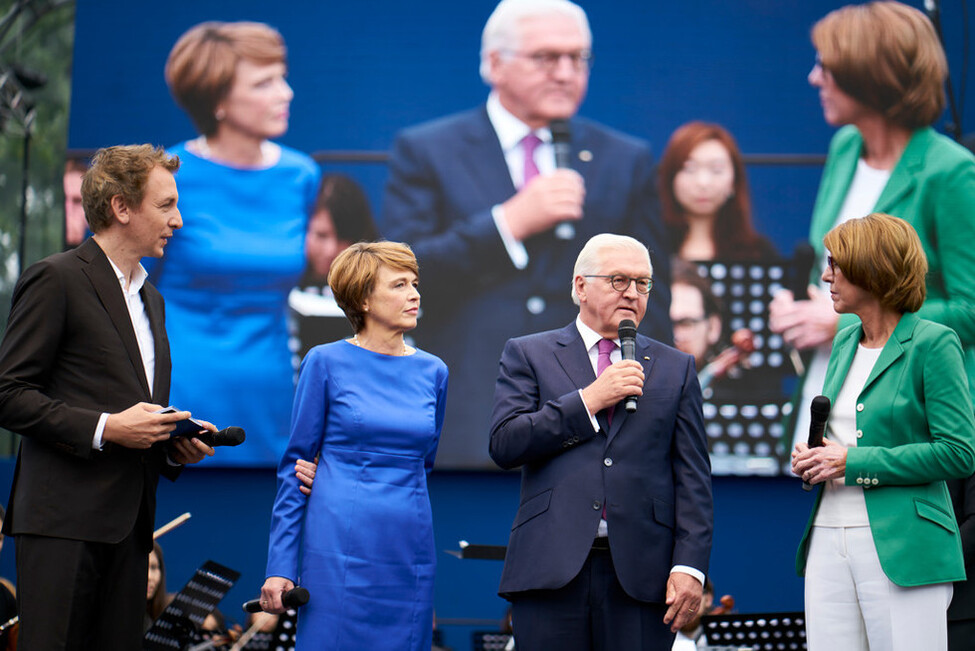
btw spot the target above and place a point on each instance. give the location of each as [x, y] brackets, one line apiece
[183, 617]
[490, 640]
[743, 414]
[756, 631]
[281, 639]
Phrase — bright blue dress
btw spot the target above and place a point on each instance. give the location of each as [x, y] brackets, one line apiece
[225, 277]
[362, 543]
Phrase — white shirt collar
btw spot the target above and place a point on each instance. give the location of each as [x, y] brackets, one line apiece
[510, 129]
[138, 277]
[589, 336]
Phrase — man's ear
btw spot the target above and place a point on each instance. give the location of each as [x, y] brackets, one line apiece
[580, 284]
[494, 66]
[120, 210]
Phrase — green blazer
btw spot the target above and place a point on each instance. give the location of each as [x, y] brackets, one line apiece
[932, 187]
[915, 429]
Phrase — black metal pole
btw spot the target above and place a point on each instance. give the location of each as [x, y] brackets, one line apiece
[28, 123]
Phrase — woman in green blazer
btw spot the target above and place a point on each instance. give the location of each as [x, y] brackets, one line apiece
[880, 73]
[882, 546]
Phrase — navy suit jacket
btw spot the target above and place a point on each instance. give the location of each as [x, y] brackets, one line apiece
[69, 354]
[651, 469]
[445, 176]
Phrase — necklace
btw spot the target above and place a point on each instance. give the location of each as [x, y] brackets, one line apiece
[203, 149]
[355, 340]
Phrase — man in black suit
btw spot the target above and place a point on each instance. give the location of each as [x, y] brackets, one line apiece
[610, 545]
[84, 367]
[494, 223]
[961, 613]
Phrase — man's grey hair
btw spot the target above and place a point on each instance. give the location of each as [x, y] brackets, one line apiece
[594, 255]
[502, 32]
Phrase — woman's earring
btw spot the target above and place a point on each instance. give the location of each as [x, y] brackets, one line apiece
[220, 114]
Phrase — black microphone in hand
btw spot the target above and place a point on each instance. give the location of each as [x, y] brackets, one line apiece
[803, 258]
[562, 148]
[293, 598]
[227, 437]
[627, 334]
[819, 412]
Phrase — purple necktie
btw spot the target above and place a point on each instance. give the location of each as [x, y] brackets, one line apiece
[606, 347]
[529, 143]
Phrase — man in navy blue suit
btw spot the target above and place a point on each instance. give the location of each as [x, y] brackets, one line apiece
[611, 541]
[495, 225]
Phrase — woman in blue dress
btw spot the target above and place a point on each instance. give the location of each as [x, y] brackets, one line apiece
[245, 203]
[371, 409]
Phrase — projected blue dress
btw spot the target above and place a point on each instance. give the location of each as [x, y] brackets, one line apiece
[362, 543]
[225, 277]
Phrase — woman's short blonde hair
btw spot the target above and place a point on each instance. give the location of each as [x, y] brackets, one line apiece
[887, 56]
[353, 274]
[202, 65]
[883, 255]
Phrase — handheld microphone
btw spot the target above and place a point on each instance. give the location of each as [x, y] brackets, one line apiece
[819, 411]
[803, 257]
[561, 146]
[293, 598]
[228, 437]
[627, 334]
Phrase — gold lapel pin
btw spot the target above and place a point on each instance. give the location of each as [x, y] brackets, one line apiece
[585, 155]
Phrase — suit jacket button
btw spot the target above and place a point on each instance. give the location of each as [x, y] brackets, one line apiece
[860, 480]
[874, 481]
[607, 462]
[859, 433]
[860, 406]
[596, 505]
[535, 304]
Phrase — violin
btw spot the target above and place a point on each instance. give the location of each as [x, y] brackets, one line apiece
[735, 356]
[8, 634]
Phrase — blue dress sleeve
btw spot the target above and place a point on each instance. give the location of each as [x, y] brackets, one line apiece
[307, 433]
[442, 374]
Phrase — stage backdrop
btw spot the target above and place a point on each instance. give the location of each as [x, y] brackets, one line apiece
[362, 71]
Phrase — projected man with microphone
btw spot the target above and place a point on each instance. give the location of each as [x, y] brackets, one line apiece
[611, 541]
[496, 202]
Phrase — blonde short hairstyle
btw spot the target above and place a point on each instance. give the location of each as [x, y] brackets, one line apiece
[202, 65]
[353, 274]
[887, 56]
[883, 255]
[124, 171]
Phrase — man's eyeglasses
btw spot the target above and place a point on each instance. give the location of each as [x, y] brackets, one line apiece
[549, 61]
[621, 283]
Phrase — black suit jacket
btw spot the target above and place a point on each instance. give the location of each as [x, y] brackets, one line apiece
[963, 498]
[651, 467]
[69, 354]
[444, 178]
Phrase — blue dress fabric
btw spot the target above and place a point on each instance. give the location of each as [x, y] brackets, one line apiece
[362, 543]
[225, 277]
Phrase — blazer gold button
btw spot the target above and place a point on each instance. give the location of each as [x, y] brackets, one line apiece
[607, 462]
